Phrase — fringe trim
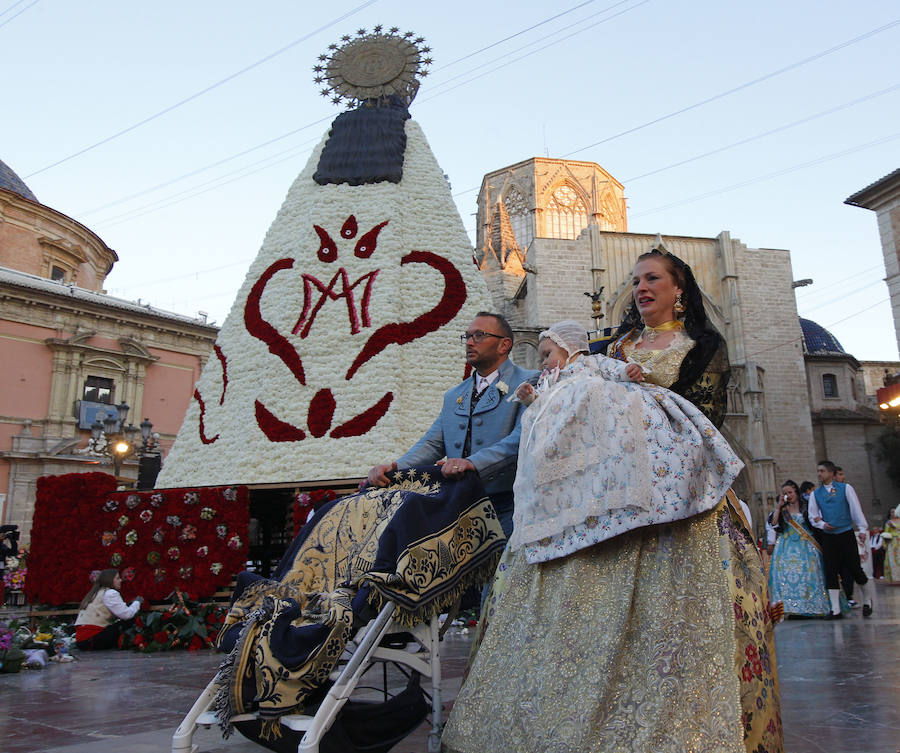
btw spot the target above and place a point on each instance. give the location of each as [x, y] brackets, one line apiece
[226, 701]
[270, 729]
[408, 615]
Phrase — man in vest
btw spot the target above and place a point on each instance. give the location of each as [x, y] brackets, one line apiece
[834, 508]
[478, 428]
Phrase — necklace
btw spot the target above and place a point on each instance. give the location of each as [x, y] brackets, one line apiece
[651, 333]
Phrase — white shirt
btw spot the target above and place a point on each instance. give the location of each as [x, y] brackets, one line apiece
[746, 508]
[113, 601]
[483, 382]
[856, 513]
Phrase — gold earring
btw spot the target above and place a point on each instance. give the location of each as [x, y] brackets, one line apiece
[679, 306]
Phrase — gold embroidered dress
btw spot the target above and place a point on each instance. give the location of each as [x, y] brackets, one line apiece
[658, 639]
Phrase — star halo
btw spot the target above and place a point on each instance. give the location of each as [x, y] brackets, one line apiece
[373, 67]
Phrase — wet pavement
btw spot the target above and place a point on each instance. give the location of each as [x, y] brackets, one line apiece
[839, 693]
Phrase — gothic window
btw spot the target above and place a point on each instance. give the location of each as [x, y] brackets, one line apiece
[566, 215]
[829, 385]
[98, 389]
[519, 217]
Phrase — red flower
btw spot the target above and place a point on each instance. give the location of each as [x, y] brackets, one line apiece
[196, 643]
[746, 673]
[161, 637]
[140, 641]
[138, 623]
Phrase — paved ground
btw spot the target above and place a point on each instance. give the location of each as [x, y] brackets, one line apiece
[839, 690]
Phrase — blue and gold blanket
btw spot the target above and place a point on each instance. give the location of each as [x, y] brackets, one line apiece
[419, 542]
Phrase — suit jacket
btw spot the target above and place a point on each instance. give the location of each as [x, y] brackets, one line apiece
[495, 430]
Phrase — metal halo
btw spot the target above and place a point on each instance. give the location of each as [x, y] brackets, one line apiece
[374, 65]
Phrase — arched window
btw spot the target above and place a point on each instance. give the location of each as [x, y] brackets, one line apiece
[566, 215]
[829, 385]
[519, 217]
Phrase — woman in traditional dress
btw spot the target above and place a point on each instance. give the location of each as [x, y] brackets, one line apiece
[891, 538]
[633, 624]
[796, 573]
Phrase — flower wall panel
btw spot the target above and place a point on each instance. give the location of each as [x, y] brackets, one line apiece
[194, 540]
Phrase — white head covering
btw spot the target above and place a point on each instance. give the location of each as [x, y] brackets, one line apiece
[569, 335]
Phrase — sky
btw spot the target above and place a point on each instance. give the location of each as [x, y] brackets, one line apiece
[173, 130]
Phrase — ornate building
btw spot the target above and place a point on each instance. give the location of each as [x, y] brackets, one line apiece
[70, 352]
[551, 232]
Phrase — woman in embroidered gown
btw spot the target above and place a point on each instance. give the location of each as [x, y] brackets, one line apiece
[641, 626]
[796, 573]
[891, 538]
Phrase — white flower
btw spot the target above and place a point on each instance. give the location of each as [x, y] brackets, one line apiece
[502, 388]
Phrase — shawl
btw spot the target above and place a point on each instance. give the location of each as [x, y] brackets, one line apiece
[419, 542]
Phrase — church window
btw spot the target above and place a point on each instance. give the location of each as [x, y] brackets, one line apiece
[566, 215]
[519, 217]
[98, 389]
[57, 274]
[829, 385]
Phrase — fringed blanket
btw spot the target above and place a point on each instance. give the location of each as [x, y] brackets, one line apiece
[419, 542]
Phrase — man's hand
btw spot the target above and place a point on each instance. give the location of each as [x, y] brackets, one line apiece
[455, 467]
[861, 537]
[827, 526]
[378, 475]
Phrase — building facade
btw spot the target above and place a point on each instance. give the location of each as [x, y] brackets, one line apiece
[70, 353]
[883, 198]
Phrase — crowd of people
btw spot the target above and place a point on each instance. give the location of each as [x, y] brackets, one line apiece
[823, 551]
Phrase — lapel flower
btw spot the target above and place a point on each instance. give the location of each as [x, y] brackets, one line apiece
[502, 387]
[459, 400]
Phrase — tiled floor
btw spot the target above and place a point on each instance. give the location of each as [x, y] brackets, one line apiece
[839, 690]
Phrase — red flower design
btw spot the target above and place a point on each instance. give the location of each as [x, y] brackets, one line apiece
[58, 573]
[221, 356]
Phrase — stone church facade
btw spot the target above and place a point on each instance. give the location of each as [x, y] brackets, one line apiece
[552, 232]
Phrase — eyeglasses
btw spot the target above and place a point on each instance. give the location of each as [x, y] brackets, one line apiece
[478, 336]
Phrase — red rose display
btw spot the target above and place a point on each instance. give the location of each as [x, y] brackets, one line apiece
[75, 513]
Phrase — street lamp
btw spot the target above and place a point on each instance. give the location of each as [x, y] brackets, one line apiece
[115, 440]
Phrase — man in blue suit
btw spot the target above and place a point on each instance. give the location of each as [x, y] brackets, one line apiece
[477, 429]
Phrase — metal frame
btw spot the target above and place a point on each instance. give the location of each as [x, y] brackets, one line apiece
[362, 651]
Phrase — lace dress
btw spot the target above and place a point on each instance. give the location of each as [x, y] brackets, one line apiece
[658, 638]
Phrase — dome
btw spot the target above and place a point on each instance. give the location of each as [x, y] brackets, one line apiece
[12, 182]
[818, 339]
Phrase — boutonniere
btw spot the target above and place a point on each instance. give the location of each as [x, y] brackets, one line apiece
[459, 400]
[502, 388]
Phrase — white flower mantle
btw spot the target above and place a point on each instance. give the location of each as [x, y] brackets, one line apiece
[336, 335]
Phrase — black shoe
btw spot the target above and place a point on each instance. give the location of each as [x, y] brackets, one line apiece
[867, 610]
[833, 616]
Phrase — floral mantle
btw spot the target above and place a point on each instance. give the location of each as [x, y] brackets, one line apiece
[160, 541]
[343, 337]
